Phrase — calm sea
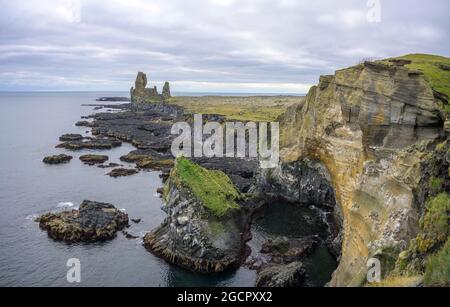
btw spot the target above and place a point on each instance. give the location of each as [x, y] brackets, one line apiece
[30, 126]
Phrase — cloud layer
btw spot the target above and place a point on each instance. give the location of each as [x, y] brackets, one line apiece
[205, 45]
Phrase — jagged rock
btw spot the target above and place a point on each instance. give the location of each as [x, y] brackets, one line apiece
[122, 172]
[70, 137]
[141, 94]
[93, 221]
[374, 128]
[284, 250]
[96, 143]
[288, 275]
[59, 159]
[203, 232]
[166, 91]
[94, 159]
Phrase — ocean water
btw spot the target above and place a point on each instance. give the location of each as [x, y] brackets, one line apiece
[30, 126]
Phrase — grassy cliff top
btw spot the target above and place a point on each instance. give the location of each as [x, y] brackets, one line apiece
[235, 108]
[436, 70]
[214, 188]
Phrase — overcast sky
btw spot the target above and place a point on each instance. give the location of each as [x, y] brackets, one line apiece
[206, 45]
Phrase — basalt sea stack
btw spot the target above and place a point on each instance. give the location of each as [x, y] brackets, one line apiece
[204, 228]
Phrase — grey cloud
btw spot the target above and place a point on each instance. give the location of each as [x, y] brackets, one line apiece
[93, 44]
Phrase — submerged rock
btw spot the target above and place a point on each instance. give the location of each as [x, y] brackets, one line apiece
[204, 228]
[93, 221]
[94, 159]
[110, 165]
[57, 159]
[122, 172]
[289, 275]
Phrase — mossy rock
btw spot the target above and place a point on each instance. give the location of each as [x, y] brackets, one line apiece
[213, 188]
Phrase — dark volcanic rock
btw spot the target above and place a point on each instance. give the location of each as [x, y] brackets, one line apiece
[284, 250]
[193, 236]
[141, 94]
[84, 123]
[95, 143]
[290, 275]
[94, 159]
[59, 159]
[70, 137]
[92, 222]
[166, 91]
[122, 172]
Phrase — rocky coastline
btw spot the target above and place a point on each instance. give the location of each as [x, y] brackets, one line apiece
[367, 150]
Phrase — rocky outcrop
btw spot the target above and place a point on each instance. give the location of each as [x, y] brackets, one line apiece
[93, 159]
[91, 143]
[204, 229]
[141, 94]
[58, 159]
[373, 127]
[122, 172]
[93, 221]
[276, 275]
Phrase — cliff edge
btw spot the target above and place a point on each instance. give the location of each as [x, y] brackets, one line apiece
[380, 129]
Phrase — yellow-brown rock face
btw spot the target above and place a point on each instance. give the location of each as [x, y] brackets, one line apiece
[361, 123]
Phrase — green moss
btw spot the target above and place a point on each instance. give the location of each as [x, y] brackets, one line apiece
[436, 184]
[437, 272]
[213, 188]
[432, 67]
[434, 225]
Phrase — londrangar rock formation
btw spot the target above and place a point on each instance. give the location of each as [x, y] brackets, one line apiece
[141, 94]
[374, 127]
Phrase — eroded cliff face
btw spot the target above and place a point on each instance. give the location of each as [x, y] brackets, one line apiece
[373, 127]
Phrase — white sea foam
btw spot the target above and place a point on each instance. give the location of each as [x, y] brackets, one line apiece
[65, 205]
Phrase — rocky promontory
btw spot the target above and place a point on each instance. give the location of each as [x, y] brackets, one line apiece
[93, 221]
[204, 229]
